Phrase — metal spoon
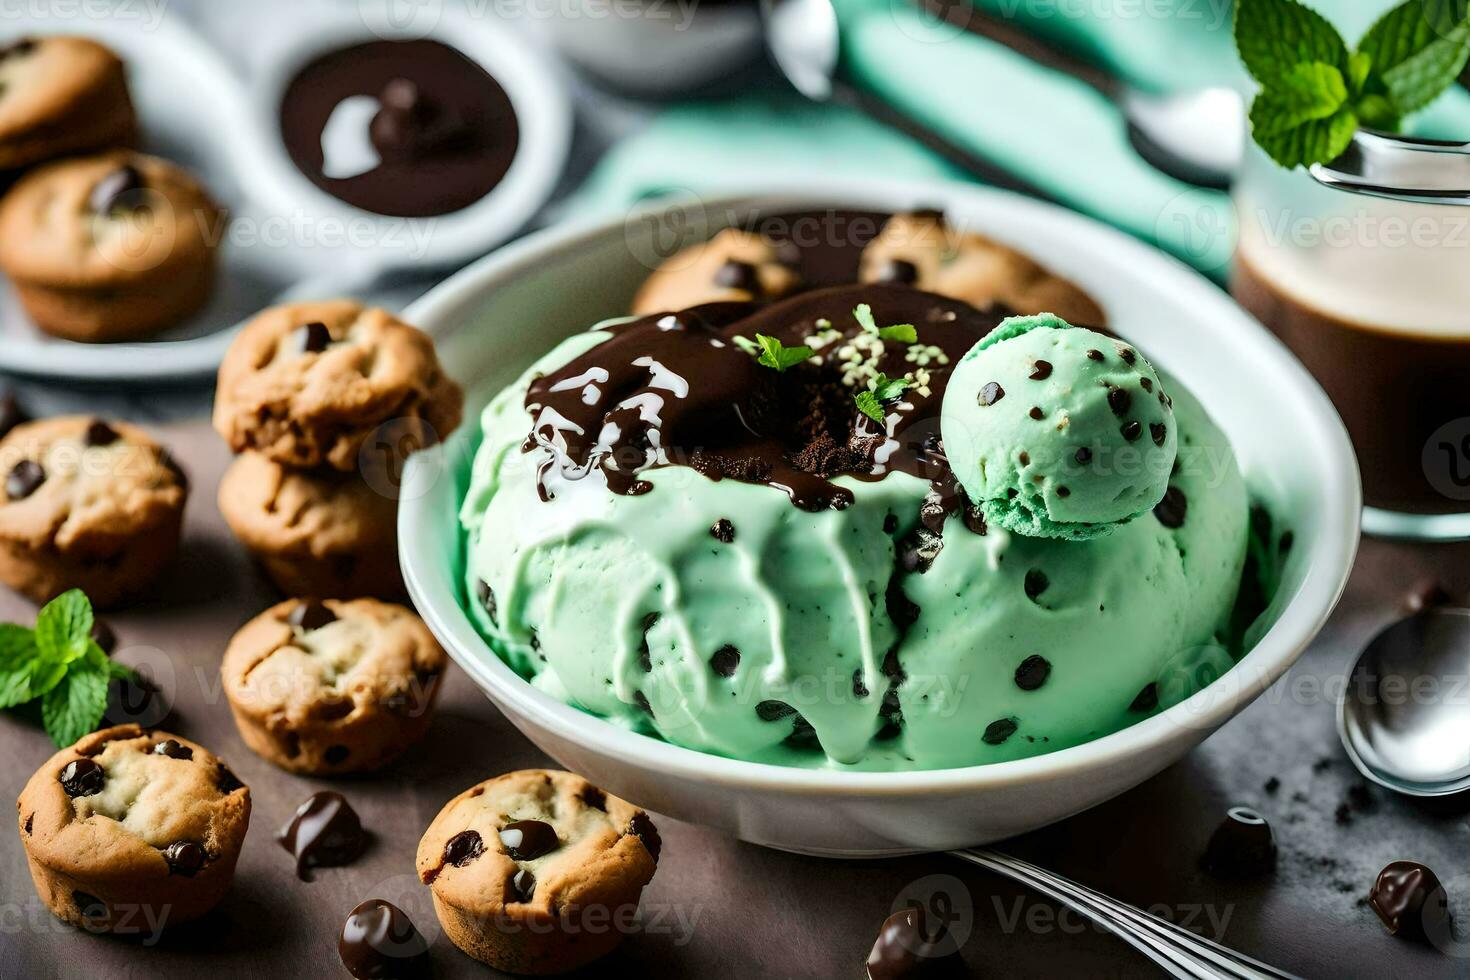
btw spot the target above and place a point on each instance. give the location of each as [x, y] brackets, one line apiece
[1195, 137]
[1401, 168]
[1405, 716]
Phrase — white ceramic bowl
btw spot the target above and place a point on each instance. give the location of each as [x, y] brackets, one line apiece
[494, 317]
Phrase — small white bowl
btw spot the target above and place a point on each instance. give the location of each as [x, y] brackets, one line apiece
[496, 316]
[543, 113]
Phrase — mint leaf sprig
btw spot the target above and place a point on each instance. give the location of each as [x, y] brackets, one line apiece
[770, 352]
[884, 389]
[1315, 94]
[60, 664]
[903, 333]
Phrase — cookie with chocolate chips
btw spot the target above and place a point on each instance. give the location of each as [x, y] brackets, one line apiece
[735, 265]
[131, 831]
[922, 250]
[61, 95]
[89, 504]
[537, 871]
[323, 384]
[109, 248]
[330, 687]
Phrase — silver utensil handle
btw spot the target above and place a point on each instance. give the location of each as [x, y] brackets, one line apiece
[1400, 168]
[1179, 952]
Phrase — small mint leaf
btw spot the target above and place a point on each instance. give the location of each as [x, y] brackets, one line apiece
[863, 314]
[903, 333]
[1274, 36]
[885, 389]
[17, 662]
[1308, 142]
[1378, 112]
[868, 404]
[1416, 52]
[776, 355]
[64, 627]
[75, 706]
[1360, 65]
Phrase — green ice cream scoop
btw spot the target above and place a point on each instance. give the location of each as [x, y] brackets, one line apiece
[1058, 431]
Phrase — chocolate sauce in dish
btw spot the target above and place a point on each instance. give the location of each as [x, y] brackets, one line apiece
[683, 389]
[401, 128]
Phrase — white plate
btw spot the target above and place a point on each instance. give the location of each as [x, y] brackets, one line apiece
[196, 111]
[499, 314]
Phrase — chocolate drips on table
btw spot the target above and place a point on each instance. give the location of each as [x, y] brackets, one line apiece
[324, 832]
[677, 389]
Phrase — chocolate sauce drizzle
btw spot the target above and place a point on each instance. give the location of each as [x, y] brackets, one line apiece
[676, 389]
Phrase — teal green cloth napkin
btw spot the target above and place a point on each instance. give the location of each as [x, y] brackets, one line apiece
[1058, 133]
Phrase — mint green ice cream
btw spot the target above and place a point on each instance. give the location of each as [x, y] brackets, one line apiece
[1058, 431]
[669, 552]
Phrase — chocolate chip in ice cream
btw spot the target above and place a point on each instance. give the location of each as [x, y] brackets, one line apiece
[773, 710]
[725, 661]
[1036, 583]
[1036, 413]
[1147, 699]
[379, 942]
[1241, 847]
[991, 393]
[998, 731]
[1158, 431]
[1412, 903]
[1093, 354]
[723, 530]
[1040, 370]
[1172, 510]
[486, 597]
[1131, 430]
[1033, 672]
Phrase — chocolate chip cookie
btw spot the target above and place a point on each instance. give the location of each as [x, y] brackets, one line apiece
[735, 265]
[130, 831]
[330, 687]
[307, 385]
[315, 532]
[109, 248]
[537, 871]
[61, 95]
[87, 504]
[922, 250]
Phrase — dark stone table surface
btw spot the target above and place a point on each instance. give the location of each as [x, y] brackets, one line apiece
[721, 908]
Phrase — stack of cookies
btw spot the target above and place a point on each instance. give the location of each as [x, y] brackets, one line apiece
[323, 402]
[100, 242]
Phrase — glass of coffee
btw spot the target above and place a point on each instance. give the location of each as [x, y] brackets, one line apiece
[1373, 295]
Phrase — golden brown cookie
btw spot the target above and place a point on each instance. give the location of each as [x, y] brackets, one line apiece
[130, 831]
[86, 504]
[316, 532]
[923, 251]
[331, 687]
[61, 95]
[735, 265]
[537, 871]
[111, 247]
[308, 385]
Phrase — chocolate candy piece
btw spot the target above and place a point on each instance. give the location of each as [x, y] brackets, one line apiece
[899, 271]
[463, 848]
[735, 274]
[1242, 846]
[11, 414]
[171, 748]
[723, 530]
[998, 731]
[1041, 370]
[99, 433]
[1033, 672]
[24, 479]
[184, 858]
[909, 949]
[526, 840]
[524, 884]
[1036, 583]
[1410, 900]
[82, 777]
[310, 614]
[991, 393]
[118, 191]
[486, 596]
[380, 942]
[310, 338]
[324, 832]
[725, 661]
